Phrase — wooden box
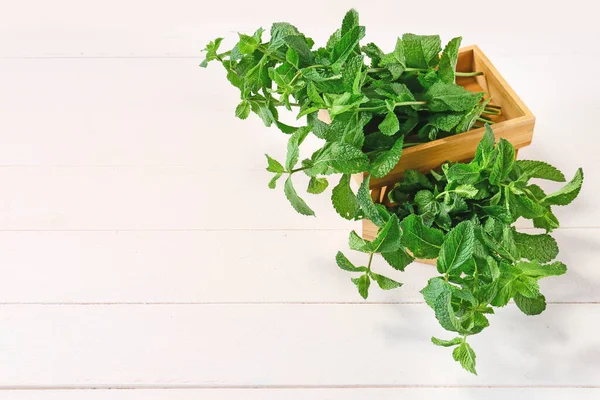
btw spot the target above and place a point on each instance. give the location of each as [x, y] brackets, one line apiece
[514, 124]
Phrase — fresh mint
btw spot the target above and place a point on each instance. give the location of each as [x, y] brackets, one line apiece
[379, 102]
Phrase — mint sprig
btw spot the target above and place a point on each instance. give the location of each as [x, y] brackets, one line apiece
[379, 102]
[463, 215]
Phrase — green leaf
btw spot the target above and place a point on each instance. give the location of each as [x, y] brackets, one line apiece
[448, 60]
[567, 193]
[504, 162]
[355, 242]
[547, 221]
[390, 124]
[346, 265]
[398, 259]
[345, 46]
[468, 191]
[296, 201]
[395, 61]
[421, 51]
[445, 122]
[485, 149]
[293, 147]
[444, 311]
[211, 51]
[350, 21]
[243, 110]
[279, 31]
[466, 174]
[366, 203]
[457, 248]
[344, 200]
[263, 111]
[292, 57]
[362, 284]
[317, 185]
[531, 306]
[435, 287]
[539, 169]
[465, 355]
[274, 165]
[387, 160]
[542, 248]
[247, 44]
[343, 157]
[388, 237]
[273, 181]
[373, 52]
[385, 283]
[447, 343]
[449, 97]
[536, 270]
[422, 241]
[300, 46]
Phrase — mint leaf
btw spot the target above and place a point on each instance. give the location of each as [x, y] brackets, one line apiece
[435, 287]
[485, 149]
[243, 110]
[362, 284]
[463, 173]
[274, 165]
[293, 150]
[387, 160]
[273, 181]
[421, 51]
[346, 265]
[539, 169]
[344, 200]
[317, 185]
[465, 355]
[448, 97]
[343, 157]
[457, 248]
[448, 60]
[247, 44]
[504, 162]
[447, 343]
[567, 193]
[422, 241]
[542, 248]
[355, 242]
[385, 283]
[350, 21]
[536, 270]
[531, 306]
[390, 124]
[395, 61]
[345, 46]
[398, 259]
[211, 51]
[366, 203]
[299, 205]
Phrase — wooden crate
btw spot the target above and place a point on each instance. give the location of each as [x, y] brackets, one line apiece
[515, 124]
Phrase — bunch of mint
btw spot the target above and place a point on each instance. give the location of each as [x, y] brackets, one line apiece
[463, 215]
[379, 102]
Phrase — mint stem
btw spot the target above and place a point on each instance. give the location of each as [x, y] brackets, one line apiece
[370, 260]
[475, 73]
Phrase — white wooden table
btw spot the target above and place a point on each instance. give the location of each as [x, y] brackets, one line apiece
[142, 255]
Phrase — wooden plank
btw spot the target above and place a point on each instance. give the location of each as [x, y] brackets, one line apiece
[231, 266]
[297, 345]
[142, 198]
[350, 393]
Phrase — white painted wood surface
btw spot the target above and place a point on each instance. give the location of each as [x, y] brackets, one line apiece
[140, 249]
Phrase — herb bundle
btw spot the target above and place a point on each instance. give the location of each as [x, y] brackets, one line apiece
[463, 216]
[379, 102]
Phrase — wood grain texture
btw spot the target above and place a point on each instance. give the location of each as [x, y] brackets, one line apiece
[447, 393]
[231, 267]
[283, 344]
